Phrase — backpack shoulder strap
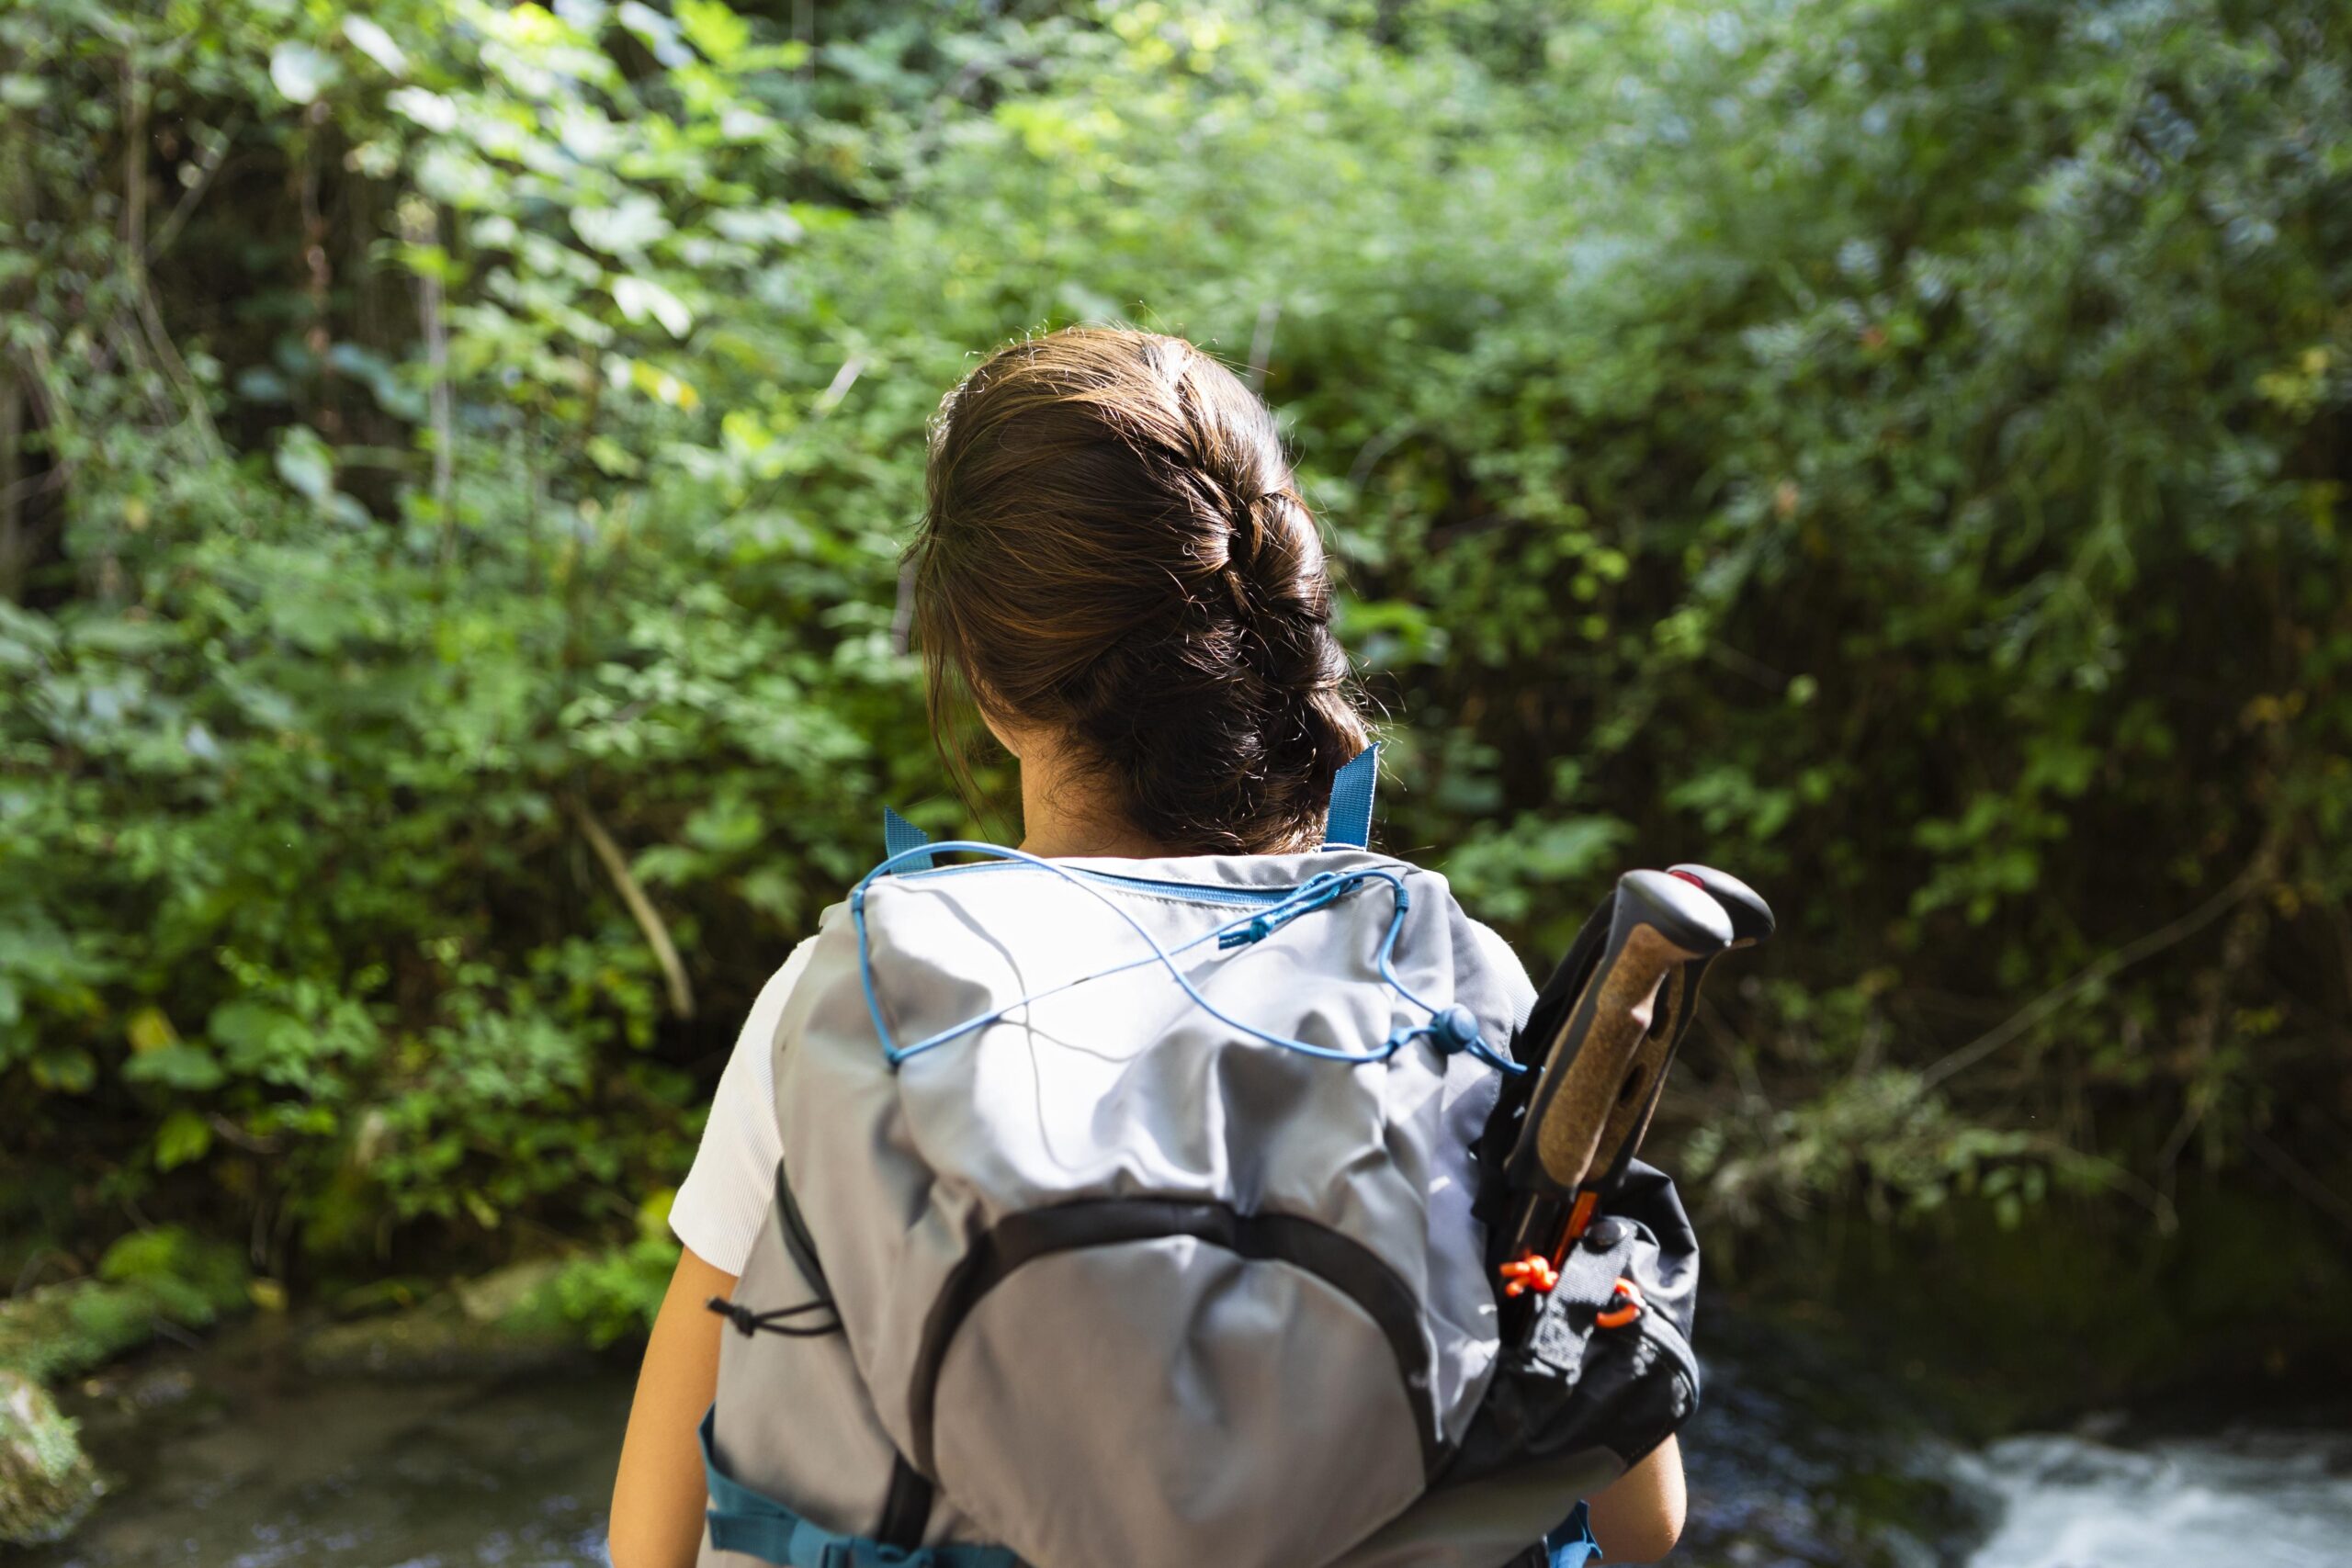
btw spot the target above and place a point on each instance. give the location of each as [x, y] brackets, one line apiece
[898, 835]
[1348, 824]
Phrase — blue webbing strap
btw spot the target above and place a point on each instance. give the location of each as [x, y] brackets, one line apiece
[898, 836]
[758, 1526]
[1571, 1545]
[1348, 824]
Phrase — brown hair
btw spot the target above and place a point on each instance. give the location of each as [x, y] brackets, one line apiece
[1115, 547]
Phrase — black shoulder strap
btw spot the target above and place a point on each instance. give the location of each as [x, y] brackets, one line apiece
[796, 1239]
[905, 1509]
[906, 1512]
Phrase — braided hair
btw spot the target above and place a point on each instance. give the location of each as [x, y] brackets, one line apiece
[1115, 545]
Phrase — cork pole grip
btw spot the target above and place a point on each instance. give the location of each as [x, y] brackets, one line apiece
[1629, 1122]
[1629, 1116]
[1625, 994]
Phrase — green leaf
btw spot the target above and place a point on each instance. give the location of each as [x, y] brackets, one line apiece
[192, 1068]
[184, 1135]
[121, 636]
[149, 1028]
[758, 225]
[306, 462]
[254, 1035]
[26, 638]
[69, 1069]
[714, 27]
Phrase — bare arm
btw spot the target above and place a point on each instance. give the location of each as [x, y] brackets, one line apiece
[657, 1496]
[1638, 1516]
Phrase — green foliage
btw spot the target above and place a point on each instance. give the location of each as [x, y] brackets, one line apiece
[192, 1282]
[1890, 450]
[612, 1294]
[163, 1276]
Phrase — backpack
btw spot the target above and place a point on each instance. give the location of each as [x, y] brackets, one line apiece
[1126, 1220]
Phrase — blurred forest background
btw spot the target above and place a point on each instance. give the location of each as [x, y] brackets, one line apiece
[454, 459]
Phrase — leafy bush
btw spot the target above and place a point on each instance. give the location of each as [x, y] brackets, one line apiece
[147, 1278]
[609, 1294]
[1892, 450]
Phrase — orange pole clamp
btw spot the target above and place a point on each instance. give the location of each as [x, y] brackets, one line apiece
[1579, 1217]
[1528, 1273]
[1618, 1317]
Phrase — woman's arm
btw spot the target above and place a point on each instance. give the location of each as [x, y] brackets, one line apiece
[657, 1496]
[1638, 1516]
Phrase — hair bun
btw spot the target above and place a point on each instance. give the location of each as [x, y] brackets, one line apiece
[1115, 545]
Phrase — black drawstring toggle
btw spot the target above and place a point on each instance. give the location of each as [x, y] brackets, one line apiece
[748, 1323]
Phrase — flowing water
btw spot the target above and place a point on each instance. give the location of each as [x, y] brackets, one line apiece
[235, 1458]
[2247, 1497]
[232, 1456]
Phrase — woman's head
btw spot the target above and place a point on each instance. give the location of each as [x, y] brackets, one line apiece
[1115, 558]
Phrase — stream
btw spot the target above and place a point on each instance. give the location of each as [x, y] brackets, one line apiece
[2276, 1497]
[232, 1456]
[229, 1455]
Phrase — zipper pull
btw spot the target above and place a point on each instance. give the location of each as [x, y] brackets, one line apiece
[1319, 891]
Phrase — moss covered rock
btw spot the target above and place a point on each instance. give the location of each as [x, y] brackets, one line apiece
[164, 1275]
[490, 1326]
[46, 1481]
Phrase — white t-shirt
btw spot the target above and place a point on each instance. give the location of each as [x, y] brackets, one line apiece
[725, 1194]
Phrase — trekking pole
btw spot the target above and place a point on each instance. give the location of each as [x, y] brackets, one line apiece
[1650, 925]
[1610, 1020]
[1629, 1122]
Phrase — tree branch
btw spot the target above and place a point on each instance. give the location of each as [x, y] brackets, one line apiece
[1261, 343]
[422, 227]
[2148, 946]
[640, 907]
[177, 220]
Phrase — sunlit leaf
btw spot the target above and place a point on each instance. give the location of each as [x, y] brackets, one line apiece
[625, 228]
[300, 72]
[151, 1029]
[305, 462]
[714, 27]
[656, 31]
[433, 111]
[372, 41]
[184, 1135]
[639, 298]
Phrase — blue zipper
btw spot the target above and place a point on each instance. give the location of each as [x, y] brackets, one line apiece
[1193, 892]
[1189, 892]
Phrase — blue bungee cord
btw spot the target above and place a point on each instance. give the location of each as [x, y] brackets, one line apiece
[1448, 1028]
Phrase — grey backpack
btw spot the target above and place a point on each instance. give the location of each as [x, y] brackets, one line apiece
[1126, 1221]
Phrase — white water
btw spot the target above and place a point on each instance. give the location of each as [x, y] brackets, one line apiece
[2237, 1499]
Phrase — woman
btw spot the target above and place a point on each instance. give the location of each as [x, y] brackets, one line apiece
[1115, 568]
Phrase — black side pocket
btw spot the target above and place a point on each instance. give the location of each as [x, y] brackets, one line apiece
[1600, 1366]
